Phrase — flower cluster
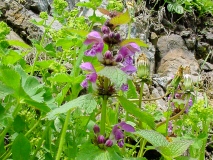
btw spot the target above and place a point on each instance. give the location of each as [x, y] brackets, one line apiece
[116, 136]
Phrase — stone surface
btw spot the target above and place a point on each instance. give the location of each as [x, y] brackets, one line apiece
[160, 103]
[206, 66]
[173, 59]
[167, 43]
[209, 38]
[190, 43]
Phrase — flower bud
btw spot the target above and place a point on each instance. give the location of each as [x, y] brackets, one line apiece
[105, 30]
[119, 58]
[112, 35]
[108, 55]
[121, 143]
[143, 67]
[96, 129]
[109, 143]
[188, 84]
[106, 38]
[101, 139]
[117, 37]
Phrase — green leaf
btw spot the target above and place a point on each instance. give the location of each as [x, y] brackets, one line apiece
[18, 43]
[86, 102]
[4, 91]
[134, 40]
[82, 33]
[185, 158]
[178, 9]
[18, 124]
[11, 58]
[120, 19]
[44, 64]
[153, 137]
[91, 4]
[170, 7]
[21, 148]
[91, 152]
[61, 78]
[62, 94]
[65, 43]
[116, 75]
[132, 92]
[137, 112]
[175, 148]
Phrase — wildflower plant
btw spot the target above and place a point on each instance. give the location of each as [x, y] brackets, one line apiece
[77, 100]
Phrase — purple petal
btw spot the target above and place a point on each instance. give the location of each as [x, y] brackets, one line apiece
[96, 48]
[84, 84]
[93, 37]
[101, 139]
[87, 66]
[121, 143]
[109, 143]
[124, 87]
[126, 127]
[96, 129]
[119, 134]
[124, 51]
[128, 61]
[92, 77]
[190, 103]
[129, 69]
[133, 47]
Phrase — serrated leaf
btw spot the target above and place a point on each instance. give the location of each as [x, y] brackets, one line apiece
[120, 19]
[116, 75]
[11, 58]
[132, 92]
[138, 113]
[153, 137]
[92, 152]
[5, 90]
[21, 148]
[134, 40]
[18, 43]
[86, 102]
[175, 148]
[61, 78]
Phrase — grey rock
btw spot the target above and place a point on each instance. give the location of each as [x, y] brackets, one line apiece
[160, 103]
[185, 34]
[190, 43]
[206, 66]
[174, 59]
[202, 50]
[209, 38]
[162, 81]
[167, 43]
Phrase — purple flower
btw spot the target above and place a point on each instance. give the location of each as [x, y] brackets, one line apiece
[97, 41]
[124, 87]
[101, 139]
[126, 127]
[170, 127]
[92, 76]
[109, 143]
[96, 129]
[190, 102]
[129, 49]
[121, 143]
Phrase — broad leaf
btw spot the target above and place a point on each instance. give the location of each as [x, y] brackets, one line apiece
[175, 148]
[18, 43]
[134, 40]
[153, 137]
[123, 18]
[21, 148]
[132, 92]
[61, 78]
[86, 102]
[18, 124]
[138, 113]
[65, 43]
[11, 58]
[92, 152]
[4, 91]
[116, 76]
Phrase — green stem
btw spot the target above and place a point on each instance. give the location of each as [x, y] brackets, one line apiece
[117, 111]
[103, 115]
[15, 112]
[34, 126]
[129, 30]
[142, 146]
[63, 134]
[41, 141]
[141, 94]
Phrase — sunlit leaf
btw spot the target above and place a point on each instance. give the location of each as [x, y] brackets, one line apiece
[120, 19]
[153, 137]
[61, 78]
[116, 76]
[134, 40]
[131, 108]
[18, 43]
[86, 102]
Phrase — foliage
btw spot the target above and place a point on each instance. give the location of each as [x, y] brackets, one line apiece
[78, 80]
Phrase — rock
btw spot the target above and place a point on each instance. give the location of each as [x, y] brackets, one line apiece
[172, 61]
[190, 43]
[206, 67]
[160, 103]
[38, 6]
[14, 36]
[185, 34]
[167, 43]
[209, 38]
[162, 81]
[202, 50]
